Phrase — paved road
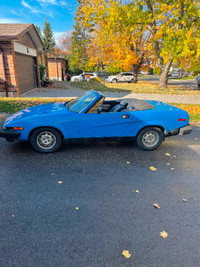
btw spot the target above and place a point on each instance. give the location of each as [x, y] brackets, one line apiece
[192, 84]
[46, 230]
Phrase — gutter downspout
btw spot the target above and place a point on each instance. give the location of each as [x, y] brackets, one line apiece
[4, 72]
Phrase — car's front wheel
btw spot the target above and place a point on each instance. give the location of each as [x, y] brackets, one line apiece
[150, 138]
[114, 81]
[46, 140]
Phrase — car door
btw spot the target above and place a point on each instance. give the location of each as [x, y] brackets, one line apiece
[120, 77]
[108, 124]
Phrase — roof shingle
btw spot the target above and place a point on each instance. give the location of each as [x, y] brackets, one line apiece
[12, 30]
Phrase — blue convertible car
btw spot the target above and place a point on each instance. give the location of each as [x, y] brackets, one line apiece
[92, 117]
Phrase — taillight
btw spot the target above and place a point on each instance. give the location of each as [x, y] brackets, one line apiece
[181, 119]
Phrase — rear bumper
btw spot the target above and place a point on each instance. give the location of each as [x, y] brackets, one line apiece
[185, 130]
[180, 131]
[9, 135]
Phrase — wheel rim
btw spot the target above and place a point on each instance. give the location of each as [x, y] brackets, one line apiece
[46, 140]
[150, 138]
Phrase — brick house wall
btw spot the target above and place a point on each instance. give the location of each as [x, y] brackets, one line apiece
[20, 46]
[55, 66]
[8, 55]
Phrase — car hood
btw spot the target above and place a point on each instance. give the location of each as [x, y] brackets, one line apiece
[35, 111]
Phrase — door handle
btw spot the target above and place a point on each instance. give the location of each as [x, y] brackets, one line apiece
[125, 116]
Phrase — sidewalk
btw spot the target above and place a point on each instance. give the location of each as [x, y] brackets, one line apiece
[75, 92]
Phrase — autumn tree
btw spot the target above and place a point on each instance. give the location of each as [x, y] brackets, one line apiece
[65, 41]
[121, 31]
[175, 31]
[48, 36]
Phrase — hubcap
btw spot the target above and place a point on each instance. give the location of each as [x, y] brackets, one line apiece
[46, 140]
[150, 138]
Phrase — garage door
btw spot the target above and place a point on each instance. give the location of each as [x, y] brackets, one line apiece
[25, 72]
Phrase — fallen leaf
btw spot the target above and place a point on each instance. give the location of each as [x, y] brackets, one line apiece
[126, 254]
[77, 208]
[156, 206]
[184, 200]
[59, 182]
[174, 156]
[172, 169]
[152, 168]
[52, 173]
[83, 171]
[196, 138]
[168, 163]
[128, 162]
[163, 234]
[167, 154]
[13, 215]
[137, 191]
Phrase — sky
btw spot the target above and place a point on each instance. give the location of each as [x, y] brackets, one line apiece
[60, 13]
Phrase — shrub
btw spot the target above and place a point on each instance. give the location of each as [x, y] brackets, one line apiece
[42, 71]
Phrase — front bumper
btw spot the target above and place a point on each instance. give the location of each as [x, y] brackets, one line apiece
[9, 135]
[180, 131]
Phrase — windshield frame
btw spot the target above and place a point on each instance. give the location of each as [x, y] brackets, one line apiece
[87, 107]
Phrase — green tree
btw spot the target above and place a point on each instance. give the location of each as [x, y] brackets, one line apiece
[39, 32]
[79, 43]
[48, 36]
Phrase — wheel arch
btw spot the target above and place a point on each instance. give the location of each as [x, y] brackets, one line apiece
[149, 126]
[48, 127]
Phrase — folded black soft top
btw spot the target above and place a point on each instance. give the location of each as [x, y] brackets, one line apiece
[137, 104]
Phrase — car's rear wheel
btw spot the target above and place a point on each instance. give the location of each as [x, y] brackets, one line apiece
[114, 81]
[46, 140]
[150, 138]
[199, 86]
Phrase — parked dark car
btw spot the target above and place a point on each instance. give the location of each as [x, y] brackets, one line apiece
[103, 75]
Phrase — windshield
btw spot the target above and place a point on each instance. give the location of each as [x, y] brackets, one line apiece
[80, 103]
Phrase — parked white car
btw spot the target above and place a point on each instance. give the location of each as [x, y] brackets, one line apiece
[121, 77]
[78, 78]
[84, 77]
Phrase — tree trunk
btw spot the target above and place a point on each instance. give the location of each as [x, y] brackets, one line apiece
[135, 73]
[164, 75]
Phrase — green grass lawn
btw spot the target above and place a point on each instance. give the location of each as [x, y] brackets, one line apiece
[143, 87]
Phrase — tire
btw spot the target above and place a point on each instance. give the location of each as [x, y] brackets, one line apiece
[132, 81]
[198, 86]
[149, 138]
[114, 81]
[46, 140]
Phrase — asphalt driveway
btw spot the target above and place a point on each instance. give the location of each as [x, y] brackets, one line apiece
[94, 213]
